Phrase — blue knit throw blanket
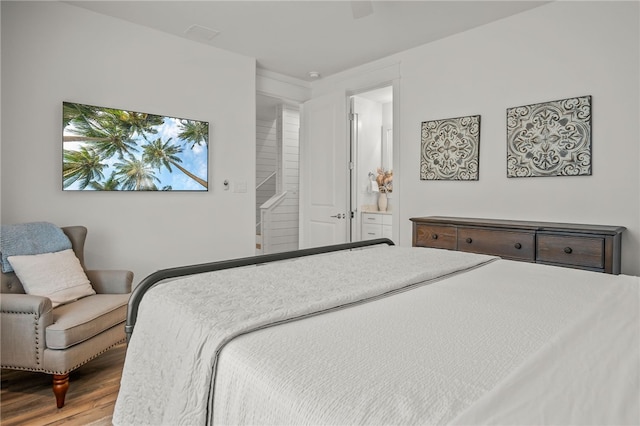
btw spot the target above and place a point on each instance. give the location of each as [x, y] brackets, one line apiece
[30, 238]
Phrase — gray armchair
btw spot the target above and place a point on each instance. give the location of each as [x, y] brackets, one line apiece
[36, 337]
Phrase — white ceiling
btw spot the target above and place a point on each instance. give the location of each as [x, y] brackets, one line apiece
[296, 37]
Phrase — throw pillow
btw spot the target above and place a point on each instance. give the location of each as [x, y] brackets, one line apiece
[58, 276]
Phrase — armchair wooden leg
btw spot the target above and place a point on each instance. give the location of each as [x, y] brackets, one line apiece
[60, 386]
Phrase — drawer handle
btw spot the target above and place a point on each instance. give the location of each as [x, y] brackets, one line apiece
[469, 240]
[434, 236]
[568, 250]
[518, 246]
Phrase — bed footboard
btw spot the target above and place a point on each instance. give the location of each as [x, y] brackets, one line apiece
[181, 271]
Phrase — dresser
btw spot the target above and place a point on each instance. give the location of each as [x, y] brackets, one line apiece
[376, 225]
[590, 247]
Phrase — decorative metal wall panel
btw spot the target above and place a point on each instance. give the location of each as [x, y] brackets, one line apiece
[550, 138]
[450, 149]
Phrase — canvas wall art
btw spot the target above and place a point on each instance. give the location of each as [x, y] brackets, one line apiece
[550, 138]
[450, 149]
[109, 149]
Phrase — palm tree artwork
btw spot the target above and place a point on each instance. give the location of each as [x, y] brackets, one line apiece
[107, 149]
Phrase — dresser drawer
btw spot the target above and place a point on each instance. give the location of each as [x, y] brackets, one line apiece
[436, 236]
[371, 231]
[372, 218]
[582, 251]
[518, 245]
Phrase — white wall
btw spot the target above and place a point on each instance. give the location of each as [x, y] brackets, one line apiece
[53, 52]
[559, 50]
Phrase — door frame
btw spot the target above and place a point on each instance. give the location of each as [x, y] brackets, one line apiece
[395, 88]
[383, 73]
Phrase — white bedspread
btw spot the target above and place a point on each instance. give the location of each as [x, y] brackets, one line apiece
[507, 343]
[170, 367]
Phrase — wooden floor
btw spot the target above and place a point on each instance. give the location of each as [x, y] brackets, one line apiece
[27, 398]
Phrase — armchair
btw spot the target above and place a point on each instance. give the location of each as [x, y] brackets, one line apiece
[37, 337]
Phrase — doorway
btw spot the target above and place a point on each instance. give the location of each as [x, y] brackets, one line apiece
[372, 197]
[336, 188]
[277, 169]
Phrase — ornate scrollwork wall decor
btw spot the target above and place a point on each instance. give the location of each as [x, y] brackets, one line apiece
[550, 139]
[450, 149]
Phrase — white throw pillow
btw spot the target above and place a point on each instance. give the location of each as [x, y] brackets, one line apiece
[58, 276]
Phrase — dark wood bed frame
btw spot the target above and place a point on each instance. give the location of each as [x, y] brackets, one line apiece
[181, 271]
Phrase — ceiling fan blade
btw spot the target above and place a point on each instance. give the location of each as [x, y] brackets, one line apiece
[361, 8]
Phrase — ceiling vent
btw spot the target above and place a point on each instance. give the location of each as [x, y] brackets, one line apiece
[198, 32]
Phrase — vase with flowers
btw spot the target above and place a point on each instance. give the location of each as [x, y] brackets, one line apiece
[384, 179]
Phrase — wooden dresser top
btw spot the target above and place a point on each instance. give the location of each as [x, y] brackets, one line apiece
[521, 224]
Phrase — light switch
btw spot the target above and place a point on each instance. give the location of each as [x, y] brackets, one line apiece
[240, 186]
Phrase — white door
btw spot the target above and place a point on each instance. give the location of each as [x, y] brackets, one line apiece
[325, 215]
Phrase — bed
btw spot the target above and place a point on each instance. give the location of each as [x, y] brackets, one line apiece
[371, 333]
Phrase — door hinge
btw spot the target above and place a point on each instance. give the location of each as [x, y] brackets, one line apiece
[351, 165]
